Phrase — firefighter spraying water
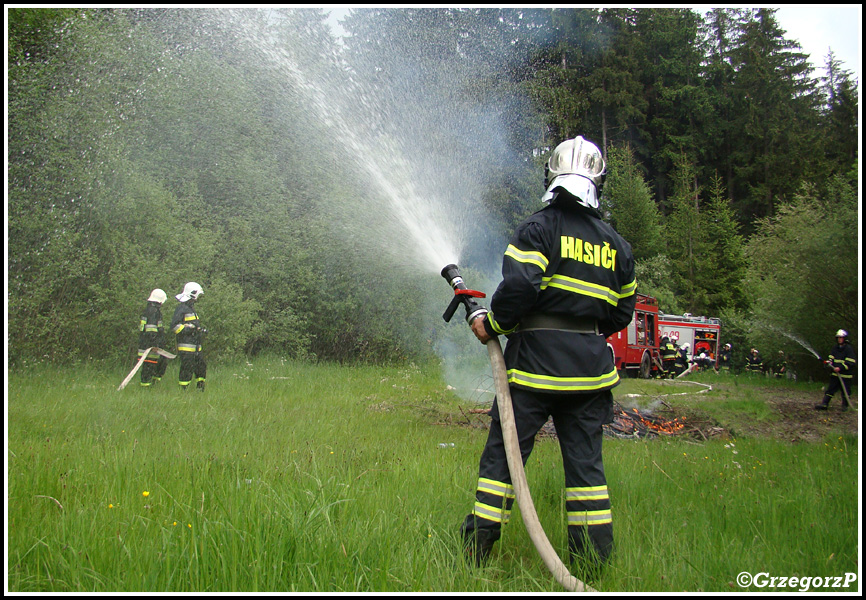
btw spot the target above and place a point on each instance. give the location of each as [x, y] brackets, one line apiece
[465, 296]
[842, 363]
[568, 282]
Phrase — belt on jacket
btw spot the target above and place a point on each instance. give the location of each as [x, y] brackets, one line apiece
[537, 321]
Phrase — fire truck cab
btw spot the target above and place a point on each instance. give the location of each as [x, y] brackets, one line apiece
[635, 349]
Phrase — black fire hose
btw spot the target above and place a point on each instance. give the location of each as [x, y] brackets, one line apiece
[509, 433]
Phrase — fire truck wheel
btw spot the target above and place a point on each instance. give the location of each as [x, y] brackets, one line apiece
[645, 366]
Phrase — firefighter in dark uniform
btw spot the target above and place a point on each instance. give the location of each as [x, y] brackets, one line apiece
[780, 366]
[842, 361]
[568, 282]
[151, 334]
[669, 355]
[754, 363]
[725, 359]
[681, 362]
[186, 326]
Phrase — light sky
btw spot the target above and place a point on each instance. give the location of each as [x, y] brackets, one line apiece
[815, 28]
[820, 28]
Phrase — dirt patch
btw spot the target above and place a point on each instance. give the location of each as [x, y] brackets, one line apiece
[785, 414]
[798, 421]
[789, 416]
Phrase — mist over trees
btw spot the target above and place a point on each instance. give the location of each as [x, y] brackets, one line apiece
[150, 147]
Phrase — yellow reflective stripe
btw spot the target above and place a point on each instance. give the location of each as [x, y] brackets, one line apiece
[579, 286]
[178, 328]
[497, 327]
[190, 317]
[589, 517]
[587, 493]
[497, 488]
[567, 384]
[141, 324]
[529, 257]
[491, 513]
[187, 347]
[151, 328]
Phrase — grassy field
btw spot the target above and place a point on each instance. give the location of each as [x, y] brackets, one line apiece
[321, 478]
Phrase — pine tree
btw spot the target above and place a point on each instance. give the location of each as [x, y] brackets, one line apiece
[719, 133]
[677, 102]
[616, 94]
[774, 116]
[628, 200]
[724, 264]
[687, 247]
[840, 116]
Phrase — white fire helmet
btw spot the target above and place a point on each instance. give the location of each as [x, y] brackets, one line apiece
[842, 333]
[576, 166]
[686, 346]
[191, 291]
[157, 295]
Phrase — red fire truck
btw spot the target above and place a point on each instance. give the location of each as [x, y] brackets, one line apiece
[636, 348]
[700, 333]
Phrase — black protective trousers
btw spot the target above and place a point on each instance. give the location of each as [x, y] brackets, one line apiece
[836, 384]
[153, 367]
[578, 419]
[191, 364]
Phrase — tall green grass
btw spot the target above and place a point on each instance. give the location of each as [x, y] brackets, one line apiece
[294, 477]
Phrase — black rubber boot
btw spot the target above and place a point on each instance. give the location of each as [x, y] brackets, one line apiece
[590, 553]
[477, 542]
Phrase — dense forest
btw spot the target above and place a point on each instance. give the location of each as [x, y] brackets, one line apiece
[306, 182]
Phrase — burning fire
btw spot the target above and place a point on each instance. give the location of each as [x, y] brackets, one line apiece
[634, 424]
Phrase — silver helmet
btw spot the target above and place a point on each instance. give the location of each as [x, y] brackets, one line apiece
[576, 166]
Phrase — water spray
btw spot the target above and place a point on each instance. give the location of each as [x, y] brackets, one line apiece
[465, 296]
